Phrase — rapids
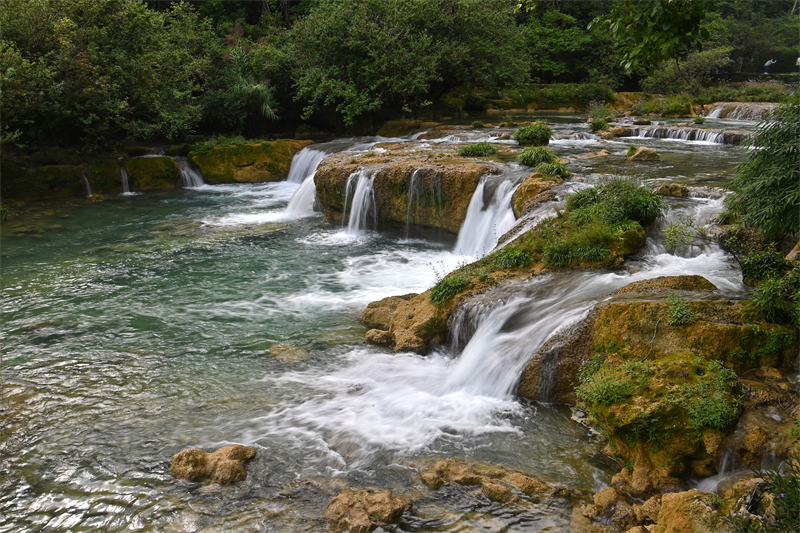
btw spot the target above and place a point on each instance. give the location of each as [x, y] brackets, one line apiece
[141, 325]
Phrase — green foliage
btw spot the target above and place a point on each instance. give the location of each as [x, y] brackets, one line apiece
[763, 91]
[6, 214]
[766, 189]
[510, 258]
[710, 402]
[537, 134]
[477, 124]
[619, 199]
[605, 387]
[598, 124]
[535, 155]
[648, 33]
[220, 140]
[358, 57]
[474, 102]
[86, 70]
[763, 263]
[778, 297]
[554, 170]
[449, 287]
[477, 149]
[678, 313]
[699, 120]
[600, 111]
[631, 149]
[690, 74]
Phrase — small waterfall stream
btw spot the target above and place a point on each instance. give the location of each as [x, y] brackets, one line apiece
[123, 176]
[753, 111]
[361, 197]
[486, 221]
[189, 176]
[304, 166]
[86, 182]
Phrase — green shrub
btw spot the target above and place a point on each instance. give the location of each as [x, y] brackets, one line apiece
[675, 105]
[477, 150]
[554, 170]
[213, 142]
[536, 155]
[449, 287]
[477, 124]
[699, 120]
[710, 402]
[620, 199]
[598, 124]
[778, 297]
[600, 111]
[537, 134]
[678, 313]
[764, 91]
[6, 214]
[474, 102]
[510, 258]
[758, 265]
[605, 388]
[632, 149]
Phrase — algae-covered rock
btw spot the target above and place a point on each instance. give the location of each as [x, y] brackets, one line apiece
[533, 185]
[224, 466]
[104, 176]
[149, 173]
[674, 189]
[39, 183]
[692, 511]
[643, 153]
[365, 510]
[288, 353]
[248, 163]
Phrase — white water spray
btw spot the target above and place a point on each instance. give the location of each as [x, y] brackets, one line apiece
[360, 189]
[486, 223]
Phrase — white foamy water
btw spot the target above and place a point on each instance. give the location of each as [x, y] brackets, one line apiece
[486, 222]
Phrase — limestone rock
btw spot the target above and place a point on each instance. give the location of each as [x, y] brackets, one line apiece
[153, 173]
[248, 163]
[675, 189]
[365, 510]
[288, 353]
[533, 185]
[668, 284]
[378, 337]
[647, 513]
[224, 466]
[641, 122]
[689, 512]
[379, 314]
[542, 197]
[643, 153]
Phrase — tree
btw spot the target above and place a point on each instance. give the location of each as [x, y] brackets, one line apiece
[766, 189]
[650, 32]
[361, 56]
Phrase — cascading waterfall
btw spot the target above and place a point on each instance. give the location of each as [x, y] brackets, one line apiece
[741, 110]
[486, 223]
[360, 195]
[123, 176]
[418, 198]
[413, 194]
[86, 182]
[189, 176]
[689, 134]
[304, 166]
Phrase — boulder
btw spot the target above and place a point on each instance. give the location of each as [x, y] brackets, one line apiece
[248, 163]
[103, 175]
[689, 512]
[225, 466]
[379, 314]
[641, 122]
[365, 510]
[643, 153]
[152, 173]
[533, 185]
[675, 189]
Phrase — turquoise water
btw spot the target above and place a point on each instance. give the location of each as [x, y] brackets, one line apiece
[144, 324]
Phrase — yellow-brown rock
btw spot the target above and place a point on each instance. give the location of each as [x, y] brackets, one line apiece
[224, 466]
[643, 153]
[530, 188]
[674, 189]
[689, 512]
[365, 510]
[248, 163]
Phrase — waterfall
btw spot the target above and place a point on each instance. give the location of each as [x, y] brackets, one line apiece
[189, 176]
[123, 176]
[413, 194]
[86, 182]
[304, 164]
[688, 134]
[741, 110]
[418, 199]
[359, 188]
[486, 222]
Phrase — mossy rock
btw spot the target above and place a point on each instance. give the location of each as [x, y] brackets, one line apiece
[104, 176]
[248, 163]
[149, 173]
[533, 185]
[46, 182]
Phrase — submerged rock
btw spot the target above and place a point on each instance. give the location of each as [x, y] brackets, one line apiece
[643, 153]
[288, 353]
[225, 466]
[365, 510]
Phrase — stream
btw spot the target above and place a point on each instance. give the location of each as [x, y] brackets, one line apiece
[148, 323]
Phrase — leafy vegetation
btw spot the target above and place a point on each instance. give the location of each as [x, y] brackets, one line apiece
[598, 125]
[709, 402]
[477, 149]
[477, 124]
[535, 155]
[537, 134]
[678, 313]
[699, 120]
[617, 200]
[449, 287]
[554, 170]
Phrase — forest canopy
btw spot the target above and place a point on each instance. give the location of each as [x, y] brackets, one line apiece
[94, 71]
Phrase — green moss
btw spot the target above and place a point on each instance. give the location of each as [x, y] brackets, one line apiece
[104, 177]
[477, 150]
[148, 173]
[52, 181]
[247, 163]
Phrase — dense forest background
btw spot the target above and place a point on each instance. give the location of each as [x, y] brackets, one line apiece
[94, 72]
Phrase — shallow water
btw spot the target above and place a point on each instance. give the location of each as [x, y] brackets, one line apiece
[141, 325]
